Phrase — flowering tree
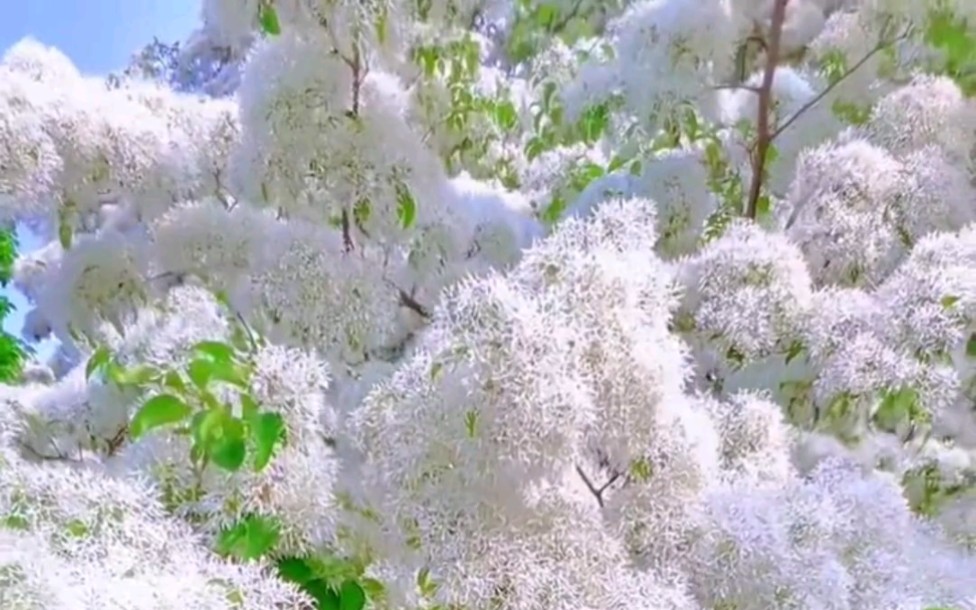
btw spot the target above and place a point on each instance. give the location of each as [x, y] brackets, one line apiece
[500, 305]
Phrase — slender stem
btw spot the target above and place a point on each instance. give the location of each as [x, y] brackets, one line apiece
[816, 100]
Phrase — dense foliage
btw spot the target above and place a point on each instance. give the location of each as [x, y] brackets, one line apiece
[498, 305]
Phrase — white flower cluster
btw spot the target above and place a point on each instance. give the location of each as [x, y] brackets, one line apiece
[484, 263]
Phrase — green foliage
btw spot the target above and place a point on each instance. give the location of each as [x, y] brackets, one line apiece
[13, 352]
[250, 538]
[928, 491]
[184, 398]
[8, 255]
[267, 429]
[333, 582]
[955, 38]
[158, 411]
[406, 206]
[66, 225]
[899, 406]
[269, 19]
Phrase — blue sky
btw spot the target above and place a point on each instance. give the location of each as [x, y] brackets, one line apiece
[99, 36]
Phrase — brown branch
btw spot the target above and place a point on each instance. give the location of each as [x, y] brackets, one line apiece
[597, 492]
[764, 135]
[412, 304]
[346, 233]
[114, 443]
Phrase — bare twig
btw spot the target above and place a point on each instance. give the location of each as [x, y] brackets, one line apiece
[60, 457]
[346, 233]
[412, 304]
[116, 441]
[826, 91]
[880, 46]
[764, 135]
[597, 491]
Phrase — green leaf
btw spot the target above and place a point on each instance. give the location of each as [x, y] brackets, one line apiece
[471, 423]
[229, 449]
[158, 411]
[138, 375]
[641, 470]
[406, 206]
[97, 361]
[971, 346]
[229, 454]
[594, 122]
[173, 381]
[249, 406]
[205, 426]
[351, 596]
[266, 430]
[535, 147]
[554, 211]
[506, 115]
[65, 225]
[216, 350]
[425, 583]
[795, 349]
[327, 598]
[269, 19]
[897, 406]
[200, 372]
[8, 255]
[383, 27]
[251, 538]
[295, 569]
[949, 301]
[77, 528]
[763, 206]
[374, 589]
[546, 15]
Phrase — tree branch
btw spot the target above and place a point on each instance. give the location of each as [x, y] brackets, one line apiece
[412, 304]
[826, 91]
[597, 491]
[764, 135]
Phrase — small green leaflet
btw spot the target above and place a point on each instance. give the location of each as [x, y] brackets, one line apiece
[351, 596]
[229, 453]
[406, 206]
[219, 437]
[8, 255]
[269, 19]
[971, 346]
[251, 538]
[896, 406]
[204, 370]
[138, 375]
[949, 301]
[215, 349]
[65, 226]
[158, 411]
[200, 372]
[506, 115]
[309, 575]
[266, 430]
[98, 360]
[471, 423]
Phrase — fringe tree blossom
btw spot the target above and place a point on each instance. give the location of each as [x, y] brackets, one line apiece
[507, 305]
